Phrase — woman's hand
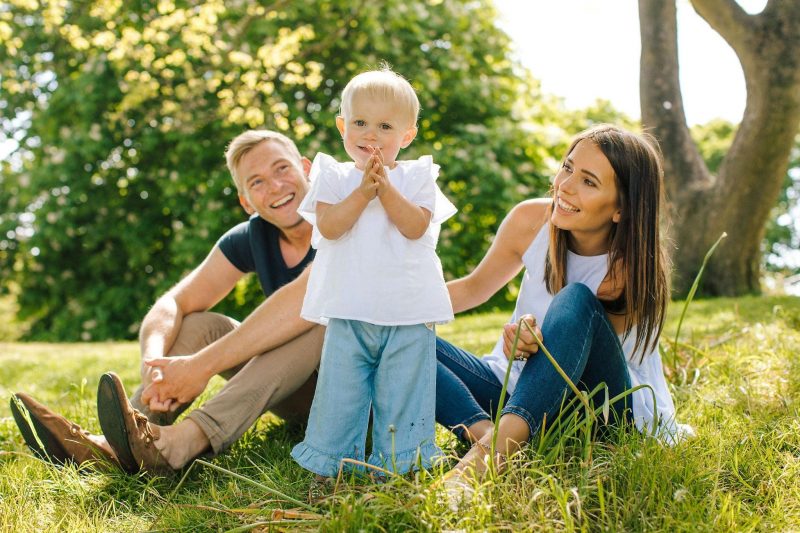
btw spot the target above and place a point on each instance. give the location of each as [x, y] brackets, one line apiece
[526, 346]
[175, 381]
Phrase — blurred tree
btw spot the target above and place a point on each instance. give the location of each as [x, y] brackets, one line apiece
[781, 236]
[121, 111]
[740, 195]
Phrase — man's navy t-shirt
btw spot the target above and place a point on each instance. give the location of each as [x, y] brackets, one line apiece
[253, 246]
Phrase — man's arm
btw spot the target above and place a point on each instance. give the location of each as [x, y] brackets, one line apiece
[203, 288]
[206, 285]
[273, 323]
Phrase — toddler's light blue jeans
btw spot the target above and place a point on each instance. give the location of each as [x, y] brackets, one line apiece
[393, 370]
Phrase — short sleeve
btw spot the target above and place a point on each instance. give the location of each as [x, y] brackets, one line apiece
[324, 187]
[235, 246]
[426, 193]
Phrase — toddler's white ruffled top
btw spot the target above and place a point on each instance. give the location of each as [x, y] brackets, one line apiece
[373, 273]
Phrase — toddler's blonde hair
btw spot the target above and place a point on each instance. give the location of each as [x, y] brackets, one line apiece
[383, 84]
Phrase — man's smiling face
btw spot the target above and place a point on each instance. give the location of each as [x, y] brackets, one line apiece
[273, 183]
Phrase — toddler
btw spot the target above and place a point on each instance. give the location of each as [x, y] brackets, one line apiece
[377, 283]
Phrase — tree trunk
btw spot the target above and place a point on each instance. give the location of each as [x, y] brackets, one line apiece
[739, 198]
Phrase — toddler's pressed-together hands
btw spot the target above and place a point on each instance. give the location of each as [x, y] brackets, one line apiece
[375, 181]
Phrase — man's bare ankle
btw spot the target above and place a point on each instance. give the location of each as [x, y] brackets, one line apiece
[181, 443]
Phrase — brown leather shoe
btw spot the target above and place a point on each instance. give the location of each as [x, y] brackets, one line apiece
[54, 438]
[128, 431]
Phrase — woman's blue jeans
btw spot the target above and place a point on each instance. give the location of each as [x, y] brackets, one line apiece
[580, 338]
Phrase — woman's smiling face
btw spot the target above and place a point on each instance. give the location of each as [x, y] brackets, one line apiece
[585, 195]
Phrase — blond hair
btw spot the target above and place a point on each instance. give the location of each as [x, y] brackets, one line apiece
[383, 84]
[244, 142]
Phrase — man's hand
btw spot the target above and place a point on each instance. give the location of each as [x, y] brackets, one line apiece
[526, 346]
[181, 381]
[151, 374]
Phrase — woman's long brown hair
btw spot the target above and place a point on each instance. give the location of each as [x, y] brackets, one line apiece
[635, 251]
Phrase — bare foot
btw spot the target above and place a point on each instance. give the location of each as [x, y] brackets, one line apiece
[459, 483]
[181, 443]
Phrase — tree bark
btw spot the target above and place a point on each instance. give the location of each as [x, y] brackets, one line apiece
[739, 198]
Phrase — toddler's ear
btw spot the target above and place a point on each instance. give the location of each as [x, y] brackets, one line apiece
[409, 136]
[340, 124]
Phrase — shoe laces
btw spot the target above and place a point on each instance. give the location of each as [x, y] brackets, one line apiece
[76, 430]
[144, 426]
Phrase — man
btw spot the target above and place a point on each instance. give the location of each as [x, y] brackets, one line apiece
[269, 359]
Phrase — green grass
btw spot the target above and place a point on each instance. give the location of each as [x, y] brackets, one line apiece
[736, 379]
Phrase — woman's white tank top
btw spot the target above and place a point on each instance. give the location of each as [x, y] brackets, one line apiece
[534, 299]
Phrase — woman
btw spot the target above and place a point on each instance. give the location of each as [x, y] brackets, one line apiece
[596, 279]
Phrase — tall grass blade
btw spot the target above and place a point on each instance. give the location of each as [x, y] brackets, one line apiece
[690, 297]
[259, 485]
[27, 416]
[172, 495]
[555, 364]
[502, 401]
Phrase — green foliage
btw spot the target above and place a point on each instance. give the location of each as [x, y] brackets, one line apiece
[713, 141]
[121, 113]
[782, 235]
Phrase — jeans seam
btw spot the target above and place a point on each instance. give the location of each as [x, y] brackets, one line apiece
[471, 420]
[613, 333]
[523, 414]
[469, 370]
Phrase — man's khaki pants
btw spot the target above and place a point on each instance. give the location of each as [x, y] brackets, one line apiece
[281, 380]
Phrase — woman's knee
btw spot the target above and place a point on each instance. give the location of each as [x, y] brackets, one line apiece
[576, 291]
[575, 298]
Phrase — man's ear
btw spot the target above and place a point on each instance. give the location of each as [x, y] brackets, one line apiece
[411, 133]
[246, 205]
[340, 124]
[306, 166]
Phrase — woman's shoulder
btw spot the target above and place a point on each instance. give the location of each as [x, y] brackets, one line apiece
[530, 215]
[522, 224]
